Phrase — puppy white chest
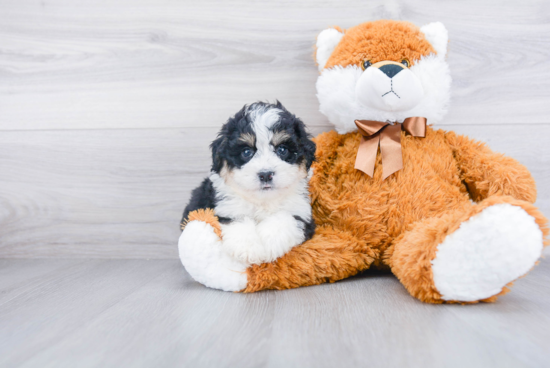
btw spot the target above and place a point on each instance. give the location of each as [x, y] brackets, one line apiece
[263, 231]
[234, 205]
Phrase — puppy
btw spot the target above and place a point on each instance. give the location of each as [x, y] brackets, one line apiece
[258, 185]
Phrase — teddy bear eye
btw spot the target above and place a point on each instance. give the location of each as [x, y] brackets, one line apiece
[406, 62]
[365, 64]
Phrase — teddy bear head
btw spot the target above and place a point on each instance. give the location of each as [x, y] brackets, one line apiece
[383, 70]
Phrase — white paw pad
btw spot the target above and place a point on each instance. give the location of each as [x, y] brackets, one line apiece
[487, 252]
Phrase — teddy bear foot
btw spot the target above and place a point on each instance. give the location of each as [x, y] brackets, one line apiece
[201, 253]
[487, 252]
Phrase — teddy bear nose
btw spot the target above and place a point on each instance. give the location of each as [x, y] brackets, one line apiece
[391, 69]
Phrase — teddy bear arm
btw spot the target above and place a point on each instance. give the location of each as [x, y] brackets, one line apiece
[206, 215]
[487, 173]
[201, 253]
[329, 256]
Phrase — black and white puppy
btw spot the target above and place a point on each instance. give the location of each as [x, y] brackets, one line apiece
[258, 185]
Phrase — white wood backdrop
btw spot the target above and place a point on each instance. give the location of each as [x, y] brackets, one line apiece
[107, 108]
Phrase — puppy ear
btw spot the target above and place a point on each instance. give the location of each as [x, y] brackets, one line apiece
[326, 43]
[217, 147]
[309, 148]
[307, 145]
[437, 35]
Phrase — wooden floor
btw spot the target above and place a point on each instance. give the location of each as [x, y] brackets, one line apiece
[140, 313]
[107, 109]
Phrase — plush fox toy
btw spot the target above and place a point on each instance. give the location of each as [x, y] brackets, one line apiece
[452, 220]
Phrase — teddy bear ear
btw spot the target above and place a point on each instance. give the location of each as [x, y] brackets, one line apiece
[326, 42]
[437, 35]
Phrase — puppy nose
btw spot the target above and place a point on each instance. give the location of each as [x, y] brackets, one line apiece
[391, 69]
[266, 176]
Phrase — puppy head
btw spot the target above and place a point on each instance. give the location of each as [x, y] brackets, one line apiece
[262, 151]
[383, 70]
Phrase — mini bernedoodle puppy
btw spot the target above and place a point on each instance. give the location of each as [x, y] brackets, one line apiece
[258, 185]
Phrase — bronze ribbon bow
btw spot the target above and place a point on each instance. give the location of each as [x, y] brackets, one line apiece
[388, 137]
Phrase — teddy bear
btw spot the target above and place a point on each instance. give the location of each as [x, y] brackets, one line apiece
[451, 219]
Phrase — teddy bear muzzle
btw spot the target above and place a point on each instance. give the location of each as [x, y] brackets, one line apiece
[389, 86]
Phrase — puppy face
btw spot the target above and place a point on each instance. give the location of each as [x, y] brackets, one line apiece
[262, 151]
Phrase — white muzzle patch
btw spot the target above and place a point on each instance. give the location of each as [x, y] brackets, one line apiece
[389, 87]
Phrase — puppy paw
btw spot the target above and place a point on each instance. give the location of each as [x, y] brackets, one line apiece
[241, 241]
[201, 253]
[263, 242]
[280, 233]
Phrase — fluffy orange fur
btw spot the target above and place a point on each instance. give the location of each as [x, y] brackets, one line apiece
[205, 215]
[392, 41]
[396, 223]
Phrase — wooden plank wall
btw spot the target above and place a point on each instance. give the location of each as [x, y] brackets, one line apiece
[107, 108]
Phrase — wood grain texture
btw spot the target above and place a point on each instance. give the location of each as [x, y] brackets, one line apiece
[106, 112]
[120, 193]
[107, 108]
[137, 313]
[171, 63]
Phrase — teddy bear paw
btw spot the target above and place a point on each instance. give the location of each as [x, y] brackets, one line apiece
[202, 256]
[488, 251]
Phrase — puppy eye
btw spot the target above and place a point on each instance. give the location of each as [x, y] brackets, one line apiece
[365, 64]
[406, 62]
[247, 153]
[282, 151]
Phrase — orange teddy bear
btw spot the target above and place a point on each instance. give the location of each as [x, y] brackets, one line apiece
[454, 221]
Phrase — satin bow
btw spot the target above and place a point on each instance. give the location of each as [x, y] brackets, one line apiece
[388, 137]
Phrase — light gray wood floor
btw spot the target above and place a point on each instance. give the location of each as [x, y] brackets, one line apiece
[150, 313]
[106, 112]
